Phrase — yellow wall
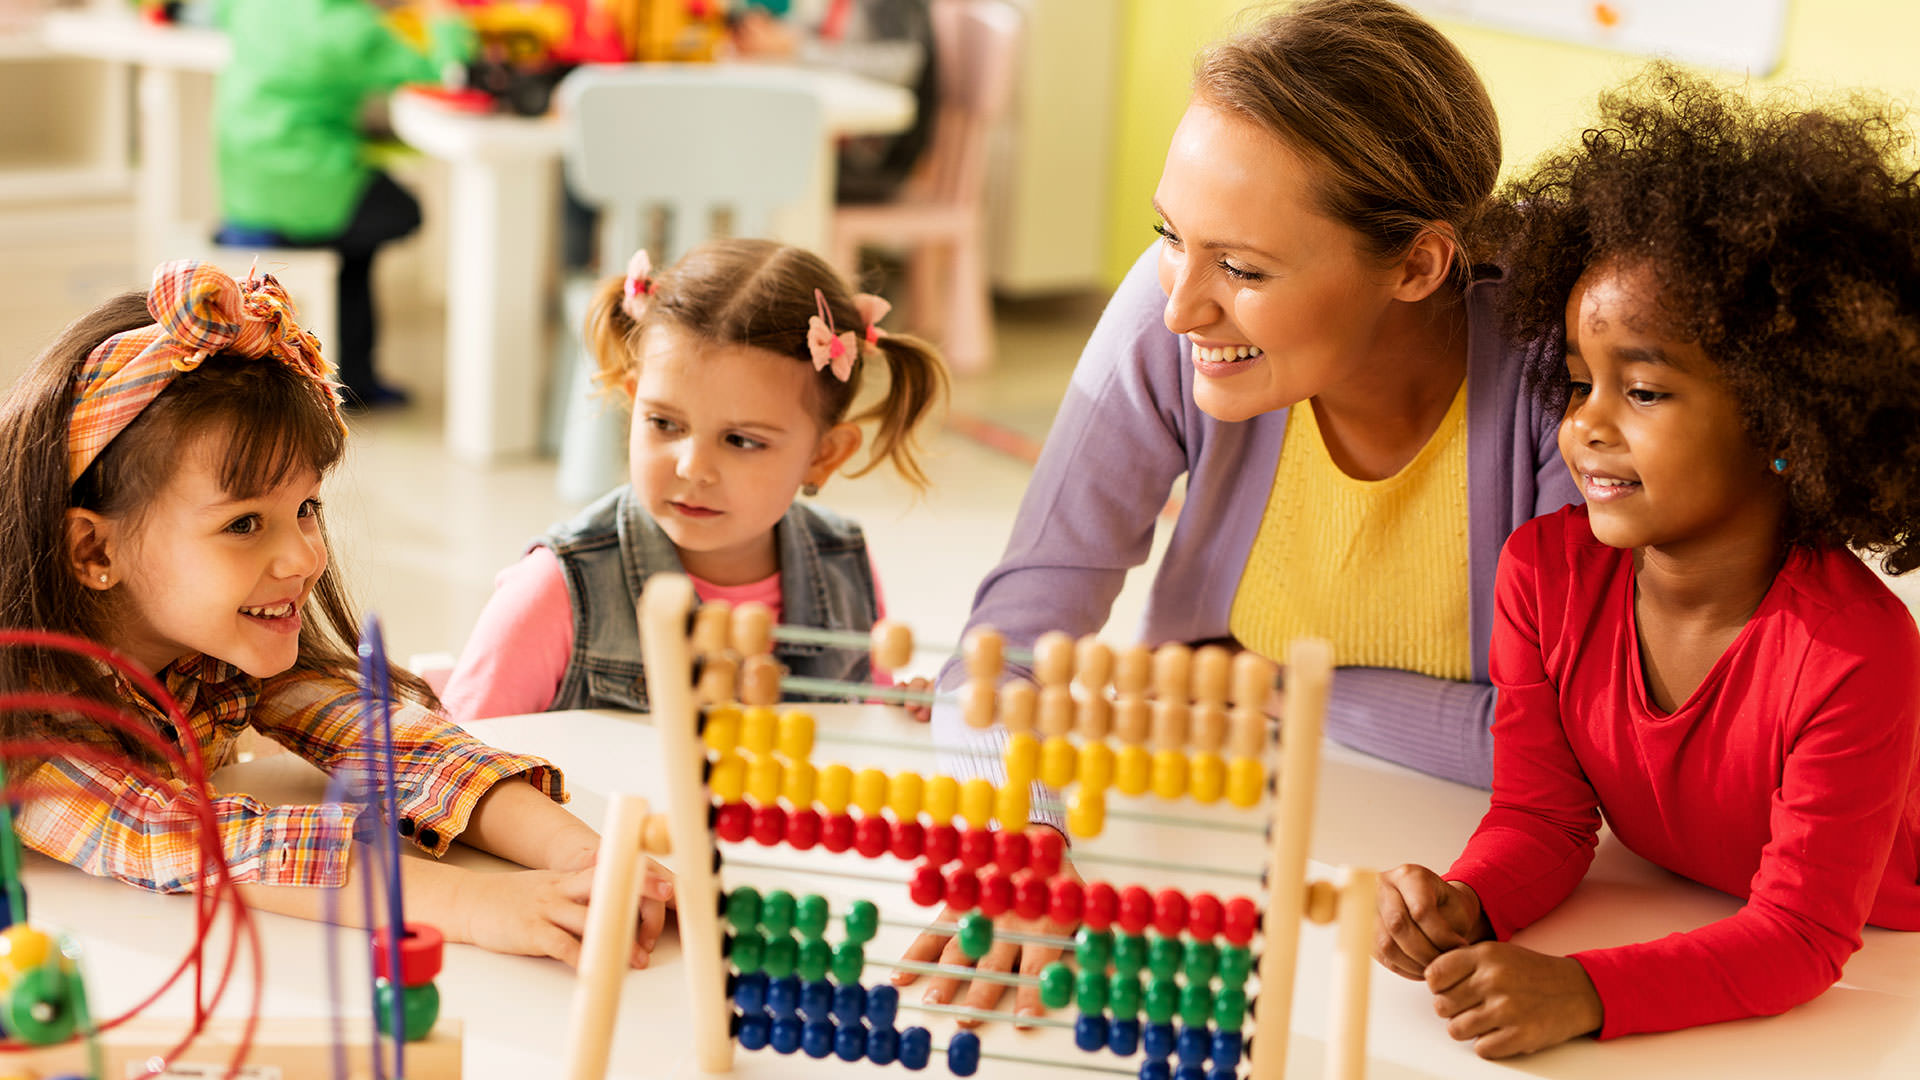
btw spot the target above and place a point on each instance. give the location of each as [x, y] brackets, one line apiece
[1544, 90]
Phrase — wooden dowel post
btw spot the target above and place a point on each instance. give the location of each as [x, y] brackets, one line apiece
[1353, 964]
[619, 881]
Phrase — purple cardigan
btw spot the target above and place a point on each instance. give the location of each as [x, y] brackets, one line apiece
[1125, 433]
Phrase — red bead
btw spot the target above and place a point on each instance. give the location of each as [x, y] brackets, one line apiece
[976, 848]
[871, 836]
[421, 947]
[1170, 912]
[1010, 851]
[1203, 916]
[769, 825]
[909, 839]
[1029, 895]
[1066, 899]
[943, 844]
[926, 888]
[996, 893]
[1102, 904]
[733, 822]
[1241, 920]
[836, 833]
[1044, 851]
[803, 829]
[963, 889]
[1136, 909]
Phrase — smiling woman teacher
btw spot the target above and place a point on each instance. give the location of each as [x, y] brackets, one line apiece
[1311, 346]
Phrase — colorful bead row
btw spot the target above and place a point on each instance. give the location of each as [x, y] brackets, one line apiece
[1134, 770]
[779, 912]
[767, 780]
[849, 1021]
[1161, 956]
[1194, 1045]
[759, 731]
[1040, 850]
[1159, 999]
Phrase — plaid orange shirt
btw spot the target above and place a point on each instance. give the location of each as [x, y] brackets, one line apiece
[107, 822]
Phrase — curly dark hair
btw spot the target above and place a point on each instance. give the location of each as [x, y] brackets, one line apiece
[1785, 241]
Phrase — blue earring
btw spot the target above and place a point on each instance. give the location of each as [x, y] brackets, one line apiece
[1779, 464]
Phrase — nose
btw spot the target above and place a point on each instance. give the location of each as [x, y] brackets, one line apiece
[302, 555]
[1190, 304]
[695, 463]
[1591, 421]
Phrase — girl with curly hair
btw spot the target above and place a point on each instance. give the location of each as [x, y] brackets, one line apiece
[1695, 655]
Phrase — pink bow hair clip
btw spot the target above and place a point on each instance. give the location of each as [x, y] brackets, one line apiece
[639, 284]
[827, 346]
[872, 309]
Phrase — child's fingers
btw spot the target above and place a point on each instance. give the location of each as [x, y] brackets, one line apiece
[576, 885]
[926, 949]
[1033, 960]
[653, 919]
[1395, 959]
[659, 882]
[1471, 1024]
[551, 940]
[941, 988]
[1450, 969]
[1399, 926]
[983, 994]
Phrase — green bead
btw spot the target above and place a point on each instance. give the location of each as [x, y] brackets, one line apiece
[1056, 985]
[1163, 956]
[749, 951]
[862, 921]
[419, 1008]
[1123, 991]
[848, 961]
[1161, 999]
[782, 954]
[776, 912]
[810, 917]
[1129, 954]
[1230, 1008]
[1236, 963]
[1202, 959]
[1196, 1004]
[1090, 992]
[38, 1008]
[815, 957]
[1093, 949]
[743, 908]
[976, 935]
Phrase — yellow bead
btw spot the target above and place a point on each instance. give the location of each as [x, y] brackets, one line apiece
[976, 802]
[1057, 761]
[764, 776]
[1246, 779]
[1086, 812]
[942, 799]
[1022, 758]
[757, 726]
[1011, 805]
[728, 781]
[796, 735]
[1096, 765]
[22, 948]
[1208, 777]
[1133, 769]
[801, 781]
[903, 796]
[1169, 774]
[870, 791]
[836, 788]
[722, 732]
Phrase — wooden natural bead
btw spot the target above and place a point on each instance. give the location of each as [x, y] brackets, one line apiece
[796, 735]
[1207, 731]
[752, 630]
[1093, 717]
[728, 777]
[1206, 777]
[655, 838]
[892, 645]
[1247, 732]
[1086, 813]
[1173, 672]
[760, 680]
[1022, 758]
[721, 731]
[985, 650]
[718, 679]
[1246, 781]
[1253, 679]
[1017, 705]
[758, 726]
[1056, 710]
[1053, 659]
[1093, 664]
[1095, 769]
[870, 791]
[1132, 769]
[710, 628]
[1132, 669]
[1212, 674]
[1132, 719]
[835, 788]
[1323, 902]
[1011, 805]
[976, 802]
[904, 793]
[801, 782]
[764, 779]
[1169, 774]
[1170, 717]
[1057, 761]
[942, 799]
[976, 704]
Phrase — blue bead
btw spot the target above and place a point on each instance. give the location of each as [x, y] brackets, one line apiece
[849, 1004]
[1158, 1040]
[883, 1046]
[783, 996]
[963, 1053]
[850, 1042]
[1223, 1072]
[1193, 1044]
[816, 1000]
[750, 993]
[816, 1039]
[916, 1047]
[786, 1034]
[1090, 1032]
[755, 1029]
[1190, 1072]
[1226, 1049]
[1123, 1037]
[883, 1004]
[1153, 1069]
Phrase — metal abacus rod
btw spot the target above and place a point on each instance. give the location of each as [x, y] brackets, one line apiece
[850, 639]
[1092, 857]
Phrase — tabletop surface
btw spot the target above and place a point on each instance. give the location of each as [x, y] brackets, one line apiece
[1368, 813]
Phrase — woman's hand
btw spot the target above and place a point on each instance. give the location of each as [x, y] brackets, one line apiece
[1511, 1000]
[1421, 917]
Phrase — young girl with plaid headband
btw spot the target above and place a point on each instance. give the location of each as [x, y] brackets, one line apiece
[163, 497]
[741, 363]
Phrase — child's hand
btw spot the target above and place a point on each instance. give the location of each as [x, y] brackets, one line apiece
[919, 710]
[1511, 1000]
[1422, 916]
[544, 912]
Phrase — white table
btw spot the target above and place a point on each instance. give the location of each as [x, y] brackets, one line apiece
[1369, 813]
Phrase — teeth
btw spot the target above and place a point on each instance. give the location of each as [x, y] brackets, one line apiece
[1602, 481]
[1225, 354]
[276, 611]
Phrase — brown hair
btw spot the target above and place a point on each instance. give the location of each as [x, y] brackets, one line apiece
[760, 293]
[272, 424]
[1396, 120]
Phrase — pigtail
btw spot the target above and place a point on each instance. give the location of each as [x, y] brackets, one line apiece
[610, 332]
[917, 381]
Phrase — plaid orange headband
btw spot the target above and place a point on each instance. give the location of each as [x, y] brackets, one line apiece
[198, 311]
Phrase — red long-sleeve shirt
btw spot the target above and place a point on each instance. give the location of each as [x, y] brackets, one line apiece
[1788, 778]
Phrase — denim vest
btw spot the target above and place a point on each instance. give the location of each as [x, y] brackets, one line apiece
[609, 549]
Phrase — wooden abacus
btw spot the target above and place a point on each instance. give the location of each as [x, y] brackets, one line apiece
[732, 759]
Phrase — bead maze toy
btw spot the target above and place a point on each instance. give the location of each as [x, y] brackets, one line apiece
[760, 968]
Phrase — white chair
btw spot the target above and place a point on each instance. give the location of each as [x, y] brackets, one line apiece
[698, 142]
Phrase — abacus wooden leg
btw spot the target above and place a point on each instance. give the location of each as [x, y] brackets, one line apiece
[1353, 966]
[619, 881]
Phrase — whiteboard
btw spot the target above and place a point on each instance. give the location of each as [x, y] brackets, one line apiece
[1744, 35]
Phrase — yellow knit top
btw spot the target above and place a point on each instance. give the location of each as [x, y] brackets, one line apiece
[1377, 567]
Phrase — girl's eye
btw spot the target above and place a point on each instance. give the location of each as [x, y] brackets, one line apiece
[662, 424]
[1241, 275]
[1166, 233]
[1578, 387]
[310, 508]
[244, 526]
[745, 443]
[1644, 397]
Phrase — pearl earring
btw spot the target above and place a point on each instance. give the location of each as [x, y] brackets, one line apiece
[103, 579]
[809, 490]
